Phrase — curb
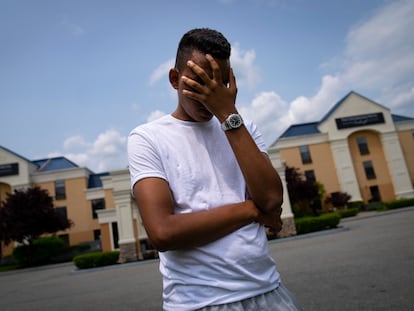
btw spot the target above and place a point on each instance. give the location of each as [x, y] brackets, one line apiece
[364, 215]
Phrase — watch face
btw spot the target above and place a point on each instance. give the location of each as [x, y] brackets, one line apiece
[235, 121]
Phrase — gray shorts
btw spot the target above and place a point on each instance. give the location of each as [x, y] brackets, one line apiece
[279, 299]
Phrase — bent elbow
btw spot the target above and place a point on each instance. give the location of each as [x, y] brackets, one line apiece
[273, 203]
[273, 206]
[161, 240]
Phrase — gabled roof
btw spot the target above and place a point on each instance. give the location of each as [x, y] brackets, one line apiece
[53, 164]
[312, 127]
[332, 110]
[301, 129]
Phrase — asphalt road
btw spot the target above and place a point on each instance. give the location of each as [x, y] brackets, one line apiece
[367, 264]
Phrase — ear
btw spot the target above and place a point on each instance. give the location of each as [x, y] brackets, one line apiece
[174, 77]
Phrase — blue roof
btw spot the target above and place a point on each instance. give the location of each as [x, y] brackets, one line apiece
[398, 118]
[301, 129]
[95, 180]
[53, 164]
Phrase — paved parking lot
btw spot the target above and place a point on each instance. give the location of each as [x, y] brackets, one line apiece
[367, 264]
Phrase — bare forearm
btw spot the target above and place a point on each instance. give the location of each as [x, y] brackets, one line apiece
[263, 182]
[183, 231]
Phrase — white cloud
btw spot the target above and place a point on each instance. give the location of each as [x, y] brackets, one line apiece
[378, 62]
[242, 62]
[245, 70]
[75, 142]
[379, 57]
[267, 110]
[403, 97]
[161, 71]
[155, 115]
[107, 152]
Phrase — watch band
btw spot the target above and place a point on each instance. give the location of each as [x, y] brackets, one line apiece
[233, 121]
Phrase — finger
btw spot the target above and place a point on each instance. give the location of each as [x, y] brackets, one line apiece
[199, 71]
[215, 68]
[194, 85]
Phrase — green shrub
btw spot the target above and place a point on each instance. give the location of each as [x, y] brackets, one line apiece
[312, 224]
[96, 259]
[349, 212]
[376, 206]
[400, 203]
[356, 204]
[40, 252]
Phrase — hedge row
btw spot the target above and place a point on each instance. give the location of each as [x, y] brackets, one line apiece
[42, 251]
[349, 212]
[96, 259]
[322, 222]
[399, 203]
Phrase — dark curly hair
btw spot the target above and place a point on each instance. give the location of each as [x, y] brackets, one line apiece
[204, 40]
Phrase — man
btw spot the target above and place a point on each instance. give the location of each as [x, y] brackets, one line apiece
[205, 189]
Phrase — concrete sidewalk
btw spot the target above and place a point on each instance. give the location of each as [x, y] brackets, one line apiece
[367, 264]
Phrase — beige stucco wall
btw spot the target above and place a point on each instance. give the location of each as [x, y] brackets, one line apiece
[106, 237]
[406, 138]
[337, 162]
[79, 209]
[377, 156]
[322, 164]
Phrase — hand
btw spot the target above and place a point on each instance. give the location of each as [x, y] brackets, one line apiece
[213, 93]
[272, 220]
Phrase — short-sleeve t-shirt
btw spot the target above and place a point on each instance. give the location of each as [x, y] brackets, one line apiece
[197, 162]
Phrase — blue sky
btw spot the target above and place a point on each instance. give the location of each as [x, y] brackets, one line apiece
[77, 75]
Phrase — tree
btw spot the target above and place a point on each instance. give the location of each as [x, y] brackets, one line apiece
[303, 193]
[338, 199]
[27, 214]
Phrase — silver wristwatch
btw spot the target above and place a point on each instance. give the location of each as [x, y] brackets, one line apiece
[233, 121]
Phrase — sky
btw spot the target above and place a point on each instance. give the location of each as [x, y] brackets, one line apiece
[76, 76]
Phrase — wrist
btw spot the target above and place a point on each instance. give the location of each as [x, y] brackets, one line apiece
[253, 212]
[233, 121]
[222, 116]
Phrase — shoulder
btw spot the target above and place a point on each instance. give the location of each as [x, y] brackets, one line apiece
[250, 125]
[256, 134]
[152, 125]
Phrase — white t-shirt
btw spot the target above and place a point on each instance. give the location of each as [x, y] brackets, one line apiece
[199, 165]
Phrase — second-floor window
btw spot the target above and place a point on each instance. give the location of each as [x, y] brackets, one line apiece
[362, 145]
[369, 170]
[60, 190]
[97, 204]
[305, 154]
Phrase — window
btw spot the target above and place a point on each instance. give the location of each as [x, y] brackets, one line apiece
[115, 236]
[97, 205]
[60, 191]
[369, 170]
[305, 154]
[310, 175]
[96, 234]
[62, 212]
[362, 145]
